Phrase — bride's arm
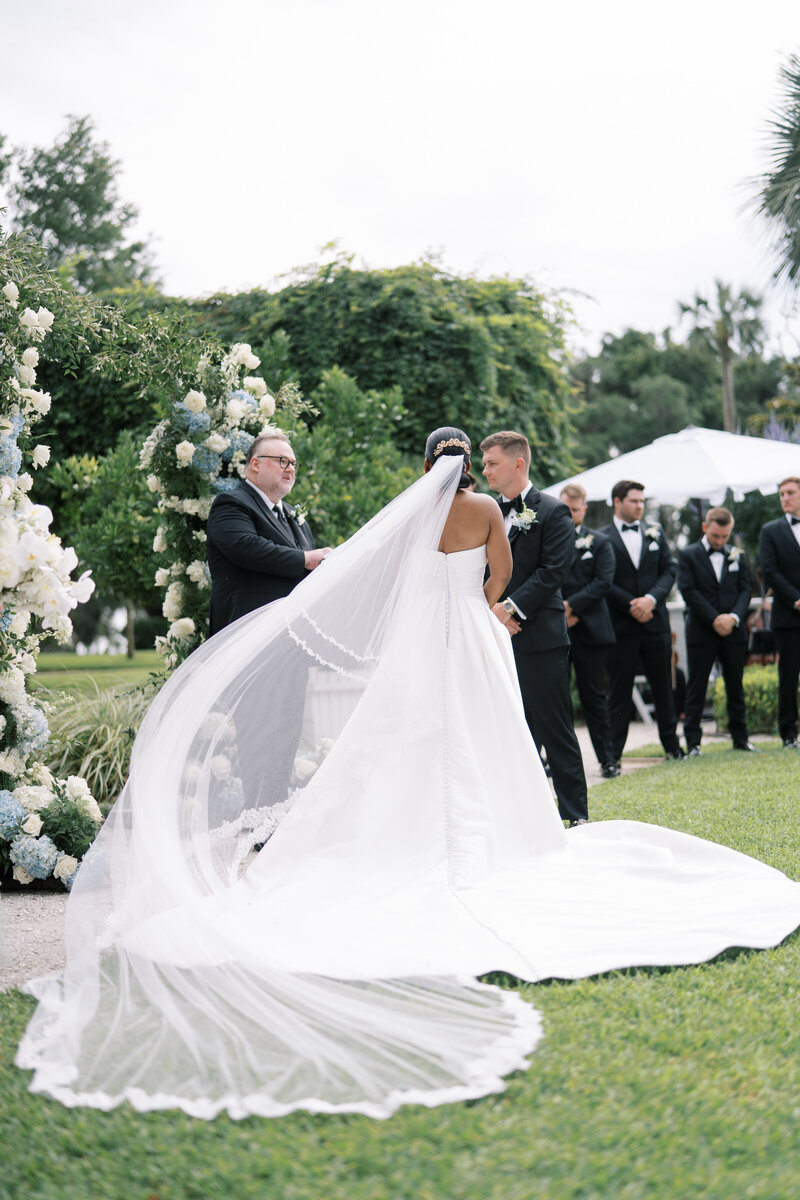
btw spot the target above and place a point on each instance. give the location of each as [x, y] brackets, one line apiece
[498, 553]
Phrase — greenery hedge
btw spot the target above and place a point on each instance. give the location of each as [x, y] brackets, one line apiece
[760, 697]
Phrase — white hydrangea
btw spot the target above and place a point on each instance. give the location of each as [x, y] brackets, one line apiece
[33, 797]
[12, 763]
[184, 452]
[12, 686]
[195, 401]
[217, 443]
[235, 410]
[266, 406]
[181, 629]
[255, 384]
[173, 602]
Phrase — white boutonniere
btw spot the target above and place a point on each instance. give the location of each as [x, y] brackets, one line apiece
[299, 514]
[652, 531]
[734, 554]
[525, 519]
[583, 543]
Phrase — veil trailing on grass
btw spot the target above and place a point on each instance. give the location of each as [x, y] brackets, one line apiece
[166, 999]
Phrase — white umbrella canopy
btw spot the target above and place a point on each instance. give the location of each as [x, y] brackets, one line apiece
[694, 464]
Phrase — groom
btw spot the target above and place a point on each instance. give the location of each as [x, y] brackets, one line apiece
[542, 538]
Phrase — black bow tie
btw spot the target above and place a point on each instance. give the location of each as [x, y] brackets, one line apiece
[634, 527]
[711, 550]
[794, 520]
[507, 505]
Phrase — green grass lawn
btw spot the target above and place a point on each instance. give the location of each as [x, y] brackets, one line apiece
[67, 672]
[680, 1084]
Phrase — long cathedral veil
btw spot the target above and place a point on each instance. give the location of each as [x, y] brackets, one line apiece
[161, 1006]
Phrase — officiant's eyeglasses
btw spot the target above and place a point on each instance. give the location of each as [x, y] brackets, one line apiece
[280, 458]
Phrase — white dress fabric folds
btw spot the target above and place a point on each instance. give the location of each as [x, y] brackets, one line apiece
[335, 821]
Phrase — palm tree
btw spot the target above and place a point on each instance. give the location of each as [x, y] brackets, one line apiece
[778, 199]
[731, 328]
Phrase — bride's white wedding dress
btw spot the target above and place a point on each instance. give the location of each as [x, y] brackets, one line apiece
[335, 968]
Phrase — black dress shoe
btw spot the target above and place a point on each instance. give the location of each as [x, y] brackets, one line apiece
[610, 770]
[580, 821]
[693, 752]
[790, 744]
[678, 754]
[751, 749]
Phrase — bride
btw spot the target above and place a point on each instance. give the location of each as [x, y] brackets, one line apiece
[236, 945]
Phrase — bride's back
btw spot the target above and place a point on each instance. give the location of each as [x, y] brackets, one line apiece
[469, 522]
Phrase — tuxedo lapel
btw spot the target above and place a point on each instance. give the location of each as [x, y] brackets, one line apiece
[787, 533]
[261, 505]
[702, 553]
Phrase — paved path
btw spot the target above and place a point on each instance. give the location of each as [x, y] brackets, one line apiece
[32, 923]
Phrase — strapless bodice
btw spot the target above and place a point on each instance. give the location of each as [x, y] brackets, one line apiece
[461, 570]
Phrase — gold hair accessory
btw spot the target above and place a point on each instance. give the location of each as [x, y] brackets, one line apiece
[451, 442]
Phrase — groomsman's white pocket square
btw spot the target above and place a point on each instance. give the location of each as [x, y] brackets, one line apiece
[588, 554]
[653, 546]
[734, 566]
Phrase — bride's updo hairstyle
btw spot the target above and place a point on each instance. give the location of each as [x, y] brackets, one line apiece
[449, 440]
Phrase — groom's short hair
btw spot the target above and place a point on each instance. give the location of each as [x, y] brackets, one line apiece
[277, 436]
[516, 445]
[621, 489]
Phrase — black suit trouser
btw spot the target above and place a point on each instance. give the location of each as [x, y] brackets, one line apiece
[701, 658]
[544, 683]
[787, 643]
[653, 655]
[590, 676]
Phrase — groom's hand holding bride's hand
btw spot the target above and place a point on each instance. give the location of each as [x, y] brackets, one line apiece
[315, 557]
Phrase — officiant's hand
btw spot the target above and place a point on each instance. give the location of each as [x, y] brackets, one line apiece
[315, 557]
[642, 609]
[512, 625]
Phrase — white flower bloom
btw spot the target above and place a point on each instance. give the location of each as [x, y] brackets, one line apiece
[30, 357]
[201, 536]
[197, 572]
[243, 356]
[304, 768]
[45, 319]
[27, 375]
[159, 543]
[41, 456]
[173, 602]
[21, 875]
[88, 805]
[82, 588]
[12, 686]
[221, 766]
[33, 797]
[26, 663]
[154, 483]
[39, 401]
[66, 866]
[39, 773]
[77, 787]
[162, 577]
[33, 825]
[195, 401]
[217, 443]
[11, 293]
[184, 452]
[12, 763]
[181, 629]
[24, 482]
[266, 406]
[235, 410]
[255, 384]
[2, 725]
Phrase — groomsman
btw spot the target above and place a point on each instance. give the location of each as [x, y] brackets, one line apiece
[715, 583]
[589, 623]
[779, 551]
[643, 577]
[542, 540]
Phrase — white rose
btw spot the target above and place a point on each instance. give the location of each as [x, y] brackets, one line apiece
[76, 787]
[33, 825]
[192, 773]
[45, 319]
[243, 355]
[173, 602]
[221, 766]
[162, 577]
[159, 544]
[255, 385]
[33, 796]
[88, 805]
[26, 663]
[154, 483]
[39, 401]
[184, 452]
[30, 357]
[41, 456]
[66, 866]
[21, 875]
[217, 443]
[24, 482]
[195, 401]
[181, 629]
[197, 572]
[11, 293]
[235, 410]
[30, 323]
[266, 406]
[201, 536]
[27, 375]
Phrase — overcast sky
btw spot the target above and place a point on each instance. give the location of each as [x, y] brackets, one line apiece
[601, 146]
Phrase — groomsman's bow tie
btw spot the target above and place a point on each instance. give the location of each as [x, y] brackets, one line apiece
[634, 527]
[711, 550]
[507, 505]
[795, 520]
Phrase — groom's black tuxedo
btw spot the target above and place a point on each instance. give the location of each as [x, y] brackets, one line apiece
[541, 559]
[780, 565]
[585, 589]
[647, 645]
[253, 555]
[707, 598]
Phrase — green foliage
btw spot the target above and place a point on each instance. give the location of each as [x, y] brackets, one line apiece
[66, 196]
[71, 829]
[349, 467]
[482, 354]
[778, 199]
[91, 734]
[648, 1085]
[760, 697]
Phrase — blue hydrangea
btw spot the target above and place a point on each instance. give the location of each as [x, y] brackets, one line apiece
[37, 856]
[11, 814]
[32, 731]
[10, 457]
[206, 460]
[238, 441]
[192, 422]
[6, 617]
[248, 398]
[225, 485]
[16, 420]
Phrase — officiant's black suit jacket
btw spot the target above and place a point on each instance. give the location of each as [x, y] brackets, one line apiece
[586, 587]
[252, 556]
[706, 597]
[779, 554]
[542, 556]
[654, 576]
